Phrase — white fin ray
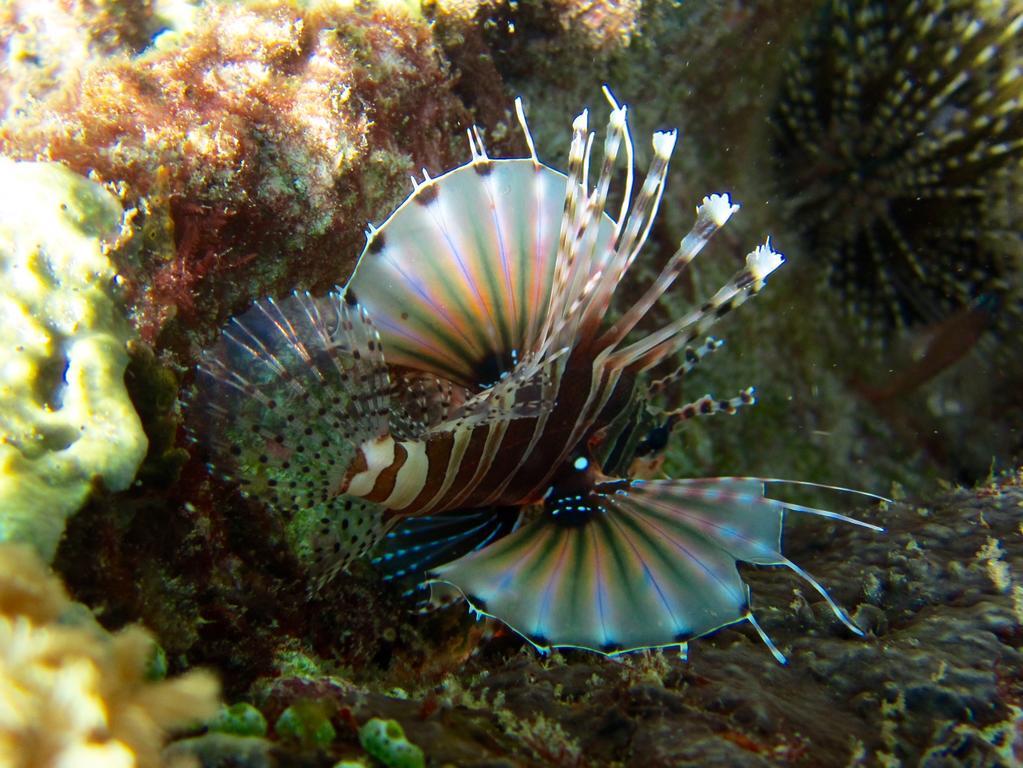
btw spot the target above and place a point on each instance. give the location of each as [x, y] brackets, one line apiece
[660, 344]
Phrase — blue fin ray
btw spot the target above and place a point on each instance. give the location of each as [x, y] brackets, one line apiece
[417, 544]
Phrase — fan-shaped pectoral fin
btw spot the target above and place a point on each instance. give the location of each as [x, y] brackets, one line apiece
[631, 565]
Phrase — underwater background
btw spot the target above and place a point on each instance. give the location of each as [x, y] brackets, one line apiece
[168, 163]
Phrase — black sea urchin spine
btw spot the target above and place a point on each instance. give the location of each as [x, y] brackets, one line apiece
[898, 131]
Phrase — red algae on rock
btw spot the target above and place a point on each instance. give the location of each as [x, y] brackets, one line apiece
[45, 44]
[254, 146]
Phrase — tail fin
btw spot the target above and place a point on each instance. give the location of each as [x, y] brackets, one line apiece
[633, 565]
[281, 401]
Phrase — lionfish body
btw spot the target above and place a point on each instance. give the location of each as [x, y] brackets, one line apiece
[463, 412]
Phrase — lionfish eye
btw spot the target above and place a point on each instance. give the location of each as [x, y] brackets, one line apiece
[581, 464]
[492, 368]
[655, 441]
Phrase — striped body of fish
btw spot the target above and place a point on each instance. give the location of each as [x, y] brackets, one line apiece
[462, 412]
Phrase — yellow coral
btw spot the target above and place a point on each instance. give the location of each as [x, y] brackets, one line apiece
[74, 696]
[65, 417]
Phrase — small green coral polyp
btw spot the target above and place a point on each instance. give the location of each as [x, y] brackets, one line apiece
[66, 421]
[385, 740]
[307, 723]
[241, 719]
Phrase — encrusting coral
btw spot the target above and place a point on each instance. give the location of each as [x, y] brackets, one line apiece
[72, 696]
[66, 421]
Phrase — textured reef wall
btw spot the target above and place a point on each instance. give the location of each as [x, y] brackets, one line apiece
[250, 145]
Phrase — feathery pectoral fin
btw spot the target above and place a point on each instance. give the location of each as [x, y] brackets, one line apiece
[632, 565]
[282, 401]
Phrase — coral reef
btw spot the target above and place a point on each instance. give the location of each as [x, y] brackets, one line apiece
[74, 695]
[893, 163]
[250, 146]
[66, 422]
[46, 45]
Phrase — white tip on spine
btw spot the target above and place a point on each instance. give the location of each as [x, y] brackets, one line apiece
[610, 97]
[764, 260]
[664, 143]
[479, 142]
[476, 148]
[618, 111]
[617, 118]
[521, 114]
[716, 208]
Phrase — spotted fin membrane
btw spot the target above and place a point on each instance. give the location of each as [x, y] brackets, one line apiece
[285, 394]
[463, 413]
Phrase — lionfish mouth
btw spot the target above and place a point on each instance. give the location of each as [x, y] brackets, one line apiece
[467, 371]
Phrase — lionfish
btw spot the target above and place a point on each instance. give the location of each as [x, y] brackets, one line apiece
[462, 412]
